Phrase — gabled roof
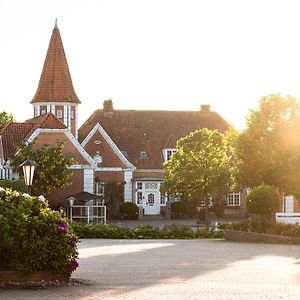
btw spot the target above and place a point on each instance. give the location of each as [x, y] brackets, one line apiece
[14, 134]
[55, 83]
[134, 131]
[48, 120]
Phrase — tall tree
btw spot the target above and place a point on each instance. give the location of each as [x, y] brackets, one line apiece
[200, 169]
[269, 148]
[52, 166]
[6, 118]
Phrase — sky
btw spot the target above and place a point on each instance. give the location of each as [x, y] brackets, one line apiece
[154, 54]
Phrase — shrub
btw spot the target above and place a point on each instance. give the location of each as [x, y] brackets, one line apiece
[183, 209]
[33, 237]
[263, 200]
[101, 231]
[129, 210]
[17, 185]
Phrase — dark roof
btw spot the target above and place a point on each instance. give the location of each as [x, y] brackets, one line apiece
[55, 83]
[150, 131]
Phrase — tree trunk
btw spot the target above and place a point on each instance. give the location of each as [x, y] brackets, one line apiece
[207, 216]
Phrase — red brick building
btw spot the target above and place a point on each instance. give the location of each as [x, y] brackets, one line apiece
[126, 146]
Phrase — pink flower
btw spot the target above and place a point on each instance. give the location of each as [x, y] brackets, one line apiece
[73, 265]
[62, 227]
[74, 240]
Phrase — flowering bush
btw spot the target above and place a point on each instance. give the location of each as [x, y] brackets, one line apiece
[34, 237]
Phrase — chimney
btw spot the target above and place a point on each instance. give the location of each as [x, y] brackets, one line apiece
[205, 108]
[108, 106]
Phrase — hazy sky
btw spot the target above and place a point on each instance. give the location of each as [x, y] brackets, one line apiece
[156, 54]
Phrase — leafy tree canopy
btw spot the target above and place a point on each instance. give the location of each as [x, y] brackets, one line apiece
[6, 118]
[200, 168]
[263, 200]
[52, 166]
[269, 148]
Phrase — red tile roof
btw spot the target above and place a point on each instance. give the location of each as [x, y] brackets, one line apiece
[14, 134]
[55, 83]
[150, 131]
[48, 120]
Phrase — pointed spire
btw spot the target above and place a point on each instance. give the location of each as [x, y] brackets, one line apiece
[55, 83]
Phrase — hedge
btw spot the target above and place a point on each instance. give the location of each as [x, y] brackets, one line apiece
[101, 231]
[263, 225]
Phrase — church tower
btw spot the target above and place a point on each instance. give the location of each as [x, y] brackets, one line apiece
[55, 92]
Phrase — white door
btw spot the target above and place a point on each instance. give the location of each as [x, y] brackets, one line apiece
[151, 203]
[289, 204]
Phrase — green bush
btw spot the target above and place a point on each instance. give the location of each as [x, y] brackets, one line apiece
[34, 237]
[16, 185]
[101, 231]
[129, 210]
[183, 209]
[263, 200]
[262, 225]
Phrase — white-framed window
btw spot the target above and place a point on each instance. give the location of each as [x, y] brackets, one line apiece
[72, 114]
[234, 199]
[172, 198]
[202, 203]
[143, 154]
[168, 153]
[139, 198]
[151, 199]
[163, 199]
[139, 185]
[99, 188]
[59, 114]
[43, 111]
[151, 186]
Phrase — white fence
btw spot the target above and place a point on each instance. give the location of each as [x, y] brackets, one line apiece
[288, 218]
[88, 213]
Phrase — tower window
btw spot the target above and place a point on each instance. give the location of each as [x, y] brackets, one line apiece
[59, 113]
[72, 114]
[43, 111]
[143, 154]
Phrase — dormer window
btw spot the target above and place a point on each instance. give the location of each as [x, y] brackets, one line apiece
[143, 154]
[98, 158]
[167, 153]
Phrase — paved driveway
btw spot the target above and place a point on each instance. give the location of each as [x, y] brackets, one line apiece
[179, 269]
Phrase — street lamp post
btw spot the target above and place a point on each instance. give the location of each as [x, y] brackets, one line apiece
[198, 221]
[71, 202]
[28, 171]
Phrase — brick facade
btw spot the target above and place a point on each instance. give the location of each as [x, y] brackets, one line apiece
[58, 198]
[98, 144]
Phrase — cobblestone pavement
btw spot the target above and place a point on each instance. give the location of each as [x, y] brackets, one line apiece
[178, 269]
